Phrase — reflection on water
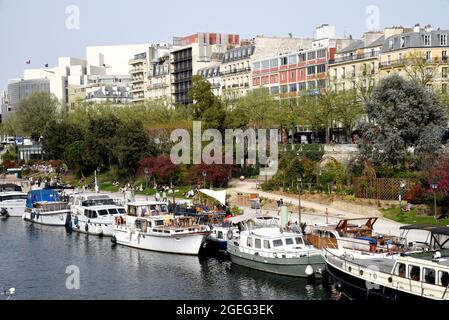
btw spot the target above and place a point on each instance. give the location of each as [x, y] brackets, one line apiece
[34, 258]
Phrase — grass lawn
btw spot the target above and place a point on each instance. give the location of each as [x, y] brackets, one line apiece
[411, 217]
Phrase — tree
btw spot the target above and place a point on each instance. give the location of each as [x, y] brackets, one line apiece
[75, 155]
[57, 136]
[206, 106]
[258, 110]
[348, 110]
[402, 114]
[34, 112]
[419, 68]
[161, 168]
[130, 145]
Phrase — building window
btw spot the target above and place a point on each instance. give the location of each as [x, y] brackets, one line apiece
[321, 53]
[302, 86]
[444, 56]
[443, 39]
[311, 70]
[274, 63]
[311, 55]
[444, 88]
[292, 75]
[444, 72]
[274, 90]
[343, 73]
[293, 88]
[391, 44]
[321, 68]
[335, 73]
[284, 89]
[284, 61]
[311, 85]
[256, 66]
[302, 57]
[388, 60]
[427, 40]
[402, 42]
[266, 64]
[293, 59]
[429, 56]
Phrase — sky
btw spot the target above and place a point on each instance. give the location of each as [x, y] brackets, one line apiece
[43, 30]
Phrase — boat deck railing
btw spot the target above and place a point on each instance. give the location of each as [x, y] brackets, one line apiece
[279, 253]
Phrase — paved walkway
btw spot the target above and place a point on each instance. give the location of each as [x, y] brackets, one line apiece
[334, 214]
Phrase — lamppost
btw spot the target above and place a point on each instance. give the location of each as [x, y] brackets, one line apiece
[401, 193]
[299, 180]
[147, 173]
[434, 186]
[204, 179]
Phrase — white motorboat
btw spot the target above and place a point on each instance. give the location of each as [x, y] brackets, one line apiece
[94, 213]
[148, 226]
[12, 204]
[47, 207]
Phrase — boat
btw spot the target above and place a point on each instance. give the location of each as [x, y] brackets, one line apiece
[47, 207]
[155, 230]
[12, 204]
[276, 251]
[353, 238]
[94, 213]
[420, 272]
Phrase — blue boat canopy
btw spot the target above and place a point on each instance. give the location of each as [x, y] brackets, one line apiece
[45, 195]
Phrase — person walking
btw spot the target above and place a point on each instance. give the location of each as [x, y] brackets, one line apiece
[164, 196]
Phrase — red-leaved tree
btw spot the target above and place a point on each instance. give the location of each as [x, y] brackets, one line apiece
[161, 168]
[217, 175]
[440, 175]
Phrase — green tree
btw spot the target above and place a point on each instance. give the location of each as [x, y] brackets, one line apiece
[57, 136]
[75, 155]
[206, 106]
[402, 114]
[34, 112]
[348, 110]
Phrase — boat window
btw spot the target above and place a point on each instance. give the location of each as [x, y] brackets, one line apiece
[103, 212]
[429, 276]
[159, 222]
[249, 242]
[266, 244]
[277, 243]
[112, 211]
[414, 273]
[299, 241]
[258, 243]
[164, 208]
[400, 270]
[13, 197]
[444, 278]
[121, 211]
[289, 241]
[220, 235]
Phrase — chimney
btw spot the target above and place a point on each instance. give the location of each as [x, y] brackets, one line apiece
[392, 31]
[370, 37]
[429, 28]
[417, 28]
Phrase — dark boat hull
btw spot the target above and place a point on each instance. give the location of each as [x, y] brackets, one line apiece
[358, 289]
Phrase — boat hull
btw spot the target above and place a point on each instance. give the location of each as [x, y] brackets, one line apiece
[359, 289]
[292, 267]
[189, 244]
[93, 227]
[56, 218]
[14, 210]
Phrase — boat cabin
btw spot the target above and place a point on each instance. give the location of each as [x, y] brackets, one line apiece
[89, 200]
[272, 239]
[147, 209]
[102, 211]
[12, 196]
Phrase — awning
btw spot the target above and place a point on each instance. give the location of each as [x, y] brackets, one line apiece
[220, 196]
[245, 217]
[429, 228]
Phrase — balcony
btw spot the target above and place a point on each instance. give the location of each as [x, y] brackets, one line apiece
[235, 71]
[355, 57]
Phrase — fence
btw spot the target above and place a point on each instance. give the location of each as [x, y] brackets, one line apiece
[380, 188]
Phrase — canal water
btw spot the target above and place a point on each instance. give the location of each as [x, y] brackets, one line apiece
[34, 260]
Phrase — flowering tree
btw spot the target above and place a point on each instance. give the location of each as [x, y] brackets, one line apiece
[440, 174]
[217, 175]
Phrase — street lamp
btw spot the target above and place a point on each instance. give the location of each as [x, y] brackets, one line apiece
[434, 186]
[204, 179]
[401, 193]
[299, 180]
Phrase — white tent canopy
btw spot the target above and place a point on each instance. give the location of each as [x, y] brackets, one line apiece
[220, 196]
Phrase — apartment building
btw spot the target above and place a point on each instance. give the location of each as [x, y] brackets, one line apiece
[139, 72]
[426, 44]
[212, 74]
[193, 53]
[304, 72]
[357, 65]
[108, 89]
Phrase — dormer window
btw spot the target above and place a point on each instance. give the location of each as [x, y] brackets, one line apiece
[427, 40]
[391, 44]
[402, 42]
[443, 39]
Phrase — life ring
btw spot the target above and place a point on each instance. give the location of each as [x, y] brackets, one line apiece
[230, 234]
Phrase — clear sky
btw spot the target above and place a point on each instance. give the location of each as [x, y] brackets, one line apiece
[36, 29]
